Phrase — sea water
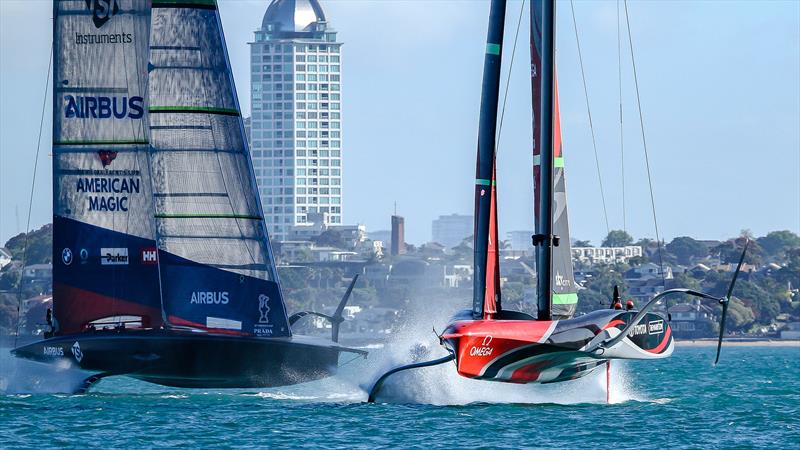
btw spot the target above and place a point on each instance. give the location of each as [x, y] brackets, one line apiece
[751, 399]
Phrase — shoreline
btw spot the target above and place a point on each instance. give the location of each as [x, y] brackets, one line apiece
[754, 342]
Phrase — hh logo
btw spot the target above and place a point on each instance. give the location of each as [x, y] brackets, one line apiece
[149, 255]
[102, 10]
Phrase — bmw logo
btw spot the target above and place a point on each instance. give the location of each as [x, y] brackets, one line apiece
[66, 256]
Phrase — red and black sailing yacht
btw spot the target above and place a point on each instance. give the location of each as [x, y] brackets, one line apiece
[163, 266]
[492, 343]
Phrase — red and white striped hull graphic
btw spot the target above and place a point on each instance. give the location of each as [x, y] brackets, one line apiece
[529, 351]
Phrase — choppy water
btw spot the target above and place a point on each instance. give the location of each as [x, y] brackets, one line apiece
[752, 399]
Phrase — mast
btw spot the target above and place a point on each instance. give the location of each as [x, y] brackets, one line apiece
[484, 176]
[544, 240]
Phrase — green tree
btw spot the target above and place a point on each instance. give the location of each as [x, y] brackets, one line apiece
[579, 243]
[731, 250]
[40, 246]
[617, 238]
[776, 243]
[685, 248]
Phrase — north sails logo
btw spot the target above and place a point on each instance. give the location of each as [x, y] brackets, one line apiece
[102, 10]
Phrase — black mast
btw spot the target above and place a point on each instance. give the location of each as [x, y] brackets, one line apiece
[486, 150]
[544, 240]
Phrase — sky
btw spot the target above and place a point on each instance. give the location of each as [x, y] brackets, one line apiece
[720, 94]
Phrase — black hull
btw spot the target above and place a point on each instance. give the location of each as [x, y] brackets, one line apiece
[192, 360]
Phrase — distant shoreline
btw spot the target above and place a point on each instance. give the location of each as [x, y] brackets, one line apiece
[753, 342]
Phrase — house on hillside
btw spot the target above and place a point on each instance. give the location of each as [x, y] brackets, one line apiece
[5, 257]
[648, 271]
[38, 273]
[692, 320]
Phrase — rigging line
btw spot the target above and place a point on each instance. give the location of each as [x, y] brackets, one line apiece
[644, 145]
[508, 80]
[621, 134]
[30, 201]
[589, 113]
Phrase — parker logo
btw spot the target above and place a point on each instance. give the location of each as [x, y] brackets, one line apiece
[150, 255]
[102, 10]
[114, 256]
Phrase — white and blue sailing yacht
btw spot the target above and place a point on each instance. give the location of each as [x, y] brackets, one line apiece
[163, 269]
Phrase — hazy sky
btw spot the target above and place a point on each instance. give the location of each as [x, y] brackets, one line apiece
[720, 89]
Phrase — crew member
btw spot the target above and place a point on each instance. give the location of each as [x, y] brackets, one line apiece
[49, 319]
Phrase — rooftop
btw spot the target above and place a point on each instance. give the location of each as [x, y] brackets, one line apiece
[293, 18]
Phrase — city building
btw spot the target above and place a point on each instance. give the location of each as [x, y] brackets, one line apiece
[606, 255]
[398, 236]
[5, 257]
[521, 241]
[450, 230]
[296, 125]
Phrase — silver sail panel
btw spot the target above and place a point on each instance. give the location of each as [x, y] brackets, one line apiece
[217, 268]
[101, 188]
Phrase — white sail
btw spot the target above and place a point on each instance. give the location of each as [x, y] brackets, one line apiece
[216, 262]
[102, 200]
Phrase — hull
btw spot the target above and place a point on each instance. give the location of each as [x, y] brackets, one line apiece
[192, 360]
[531, 351]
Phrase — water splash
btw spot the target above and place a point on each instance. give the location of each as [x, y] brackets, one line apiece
[441, 385]
[19, 376]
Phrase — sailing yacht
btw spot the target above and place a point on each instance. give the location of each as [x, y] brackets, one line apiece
[163, 268]
[489, 342]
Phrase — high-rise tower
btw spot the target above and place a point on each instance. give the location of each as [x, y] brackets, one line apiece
[295, 73]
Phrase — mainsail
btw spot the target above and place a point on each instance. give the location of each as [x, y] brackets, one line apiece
[564, 298]
[102, 202]
[217, 270]
[166, 195]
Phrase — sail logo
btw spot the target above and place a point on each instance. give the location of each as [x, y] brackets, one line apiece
[66, 256]
[114, 256]
[263, 309]
[101, 185]
[150, 256]
[102, 10]
[561, 281]
[209, 298]
[101, 107]
[106, 157]
[655, 327]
